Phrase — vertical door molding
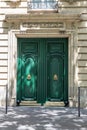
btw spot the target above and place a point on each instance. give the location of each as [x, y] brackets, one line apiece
[12, 68]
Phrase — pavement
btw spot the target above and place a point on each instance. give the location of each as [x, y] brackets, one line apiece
[42, 118]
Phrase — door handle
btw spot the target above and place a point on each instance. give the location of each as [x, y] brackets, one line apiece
[55, 77]
[28, 76]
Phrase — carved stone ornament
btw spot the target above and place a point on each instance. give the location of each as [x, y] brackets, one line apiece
[71, 1]
[42, 25]
[14, 26]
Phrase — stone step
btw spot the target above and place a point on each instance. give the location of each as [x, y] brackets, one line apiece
[29, 103]
[48, 103]
[55, 104]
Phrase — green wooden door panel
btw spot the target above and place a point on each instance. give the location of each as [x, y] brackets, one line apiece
[42, 72]
[55, 46]
[27, 70]
[29, 77]
[55, 72]
[56, 78]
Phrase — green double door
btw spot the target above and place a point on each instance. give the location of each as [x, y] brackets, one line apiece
[42, 69]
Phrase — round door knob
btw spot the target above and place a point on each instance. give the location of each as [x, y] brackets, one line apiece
[29, 77]
[55, 77]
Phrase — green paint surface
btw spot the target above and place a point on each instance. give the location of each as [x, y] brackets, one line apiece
[42, 69]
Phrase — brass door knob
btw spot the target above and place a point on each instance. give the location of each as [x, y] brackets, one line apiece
[29, 77]
[55, 77]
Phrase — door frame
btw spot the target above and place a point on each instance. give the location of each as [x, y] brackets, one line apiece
[12, 60]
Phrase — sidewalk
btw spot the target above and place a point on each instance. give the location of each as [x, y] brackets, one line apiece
[42, 118]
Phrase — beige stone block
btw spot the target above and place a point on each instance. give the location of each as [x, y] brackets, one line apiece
[3, 62]
[73, 10]
[82, 30]
[3, 43]
[82, 70]
[3, 49]
[82, 37]
[3, 75]
[3, 30]
[82, 49]
[10, 0]
[82, 43]
[84, 17]
[3, 24]
[82, 56]
[2, 16]
[83, 96]
[82, 24]
[3, 82]
[74, 4]
[82, 77]
[82, 83]
[71, 90]
[3, 69]
[3, 56]
[3, 36]
[82, 63]
[13, 10]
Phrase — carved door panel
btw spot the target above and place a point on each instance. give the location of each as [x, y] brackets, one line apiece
[55, 72]
[27, 71]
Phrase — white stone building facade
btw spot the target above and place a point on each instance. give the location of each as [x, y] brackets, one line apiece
[67, 20]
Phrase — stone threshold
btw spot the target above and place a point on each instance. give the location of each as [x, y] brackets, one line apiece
[47, 104]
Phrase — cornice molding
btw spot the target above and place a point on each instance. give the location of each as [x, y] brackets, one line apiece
[37, 18]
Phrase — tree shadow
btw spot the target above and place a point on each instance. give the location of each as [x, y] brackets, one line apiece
[42, 118]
